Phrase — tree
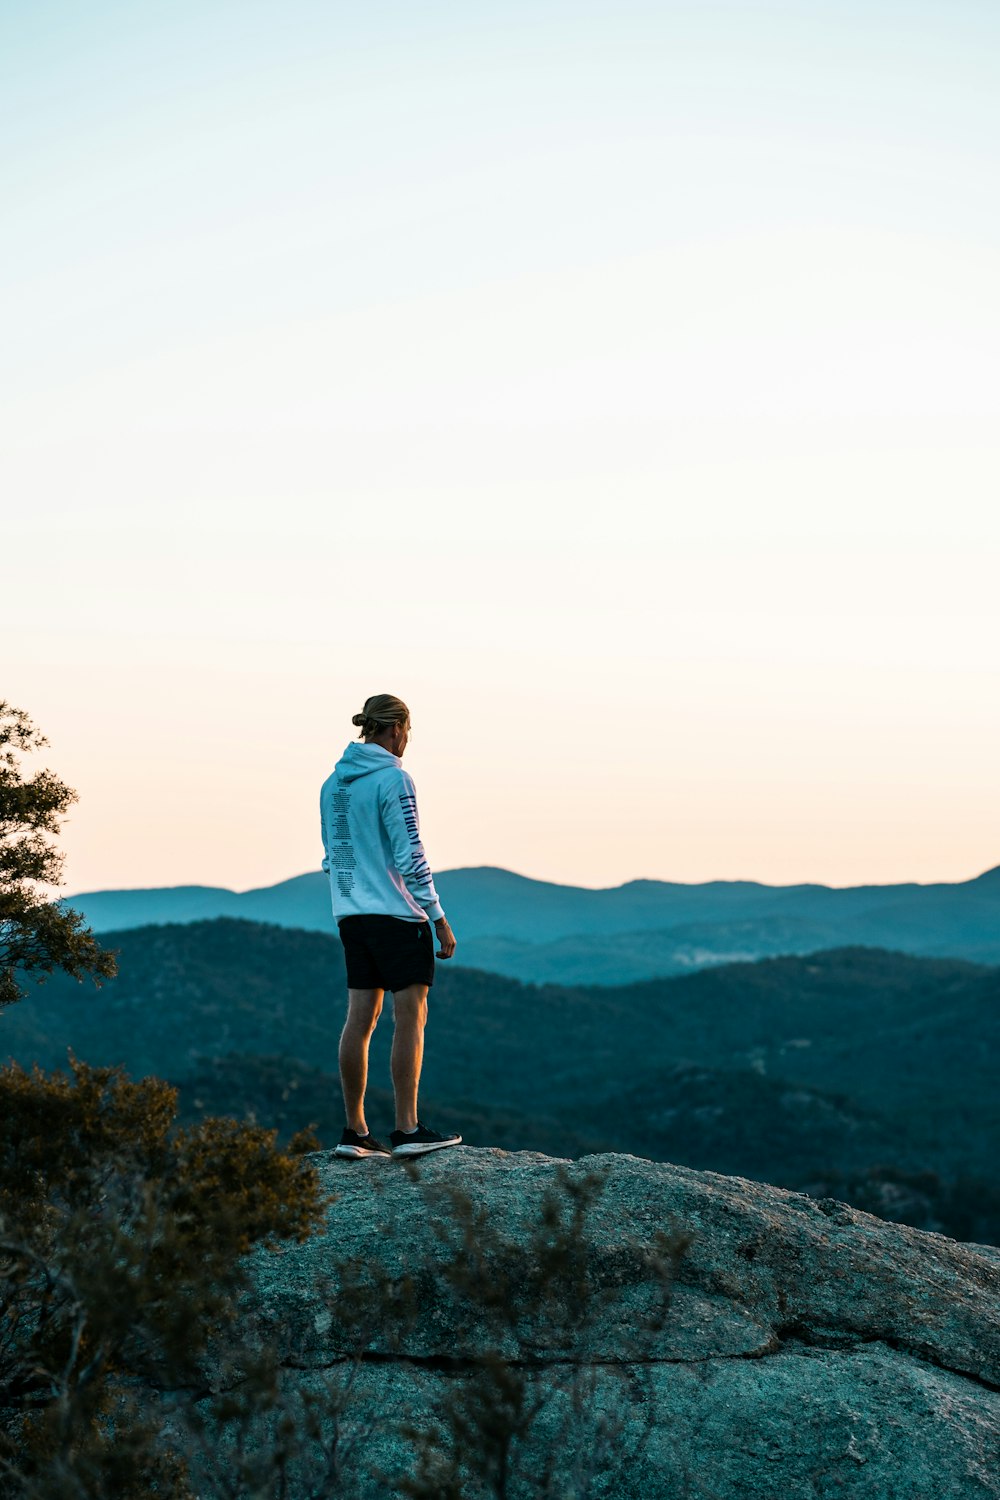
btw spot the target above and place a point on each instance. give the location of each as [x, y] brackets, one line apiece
[123, 1245]
[36, 934]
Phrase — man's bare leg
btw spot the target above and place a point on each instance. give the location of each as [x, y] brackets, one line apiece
[363, 1010]
[410, 1017]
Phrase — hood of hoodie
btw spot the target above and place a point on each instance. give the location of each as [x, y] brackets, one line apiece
[360, 760]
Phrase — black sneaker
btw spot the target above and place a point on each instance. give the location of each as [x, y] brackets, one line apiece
[352, 1144]
[416, 1142]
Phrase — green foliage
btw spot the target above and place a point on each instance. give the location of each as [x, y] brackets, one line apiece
[122, 1245]
[35, 934]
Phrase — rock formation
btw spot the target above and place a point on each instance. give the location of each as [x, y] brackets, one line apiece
[808, 1349]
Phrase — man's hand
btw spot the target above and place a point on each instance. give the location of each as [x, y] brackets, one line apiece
[445, 937]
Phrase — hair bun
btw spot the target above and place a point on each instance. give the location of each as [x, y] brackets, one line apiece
[379, 714]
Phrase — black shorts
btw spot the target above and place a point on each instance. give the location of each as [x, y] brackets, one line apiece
[387, 953]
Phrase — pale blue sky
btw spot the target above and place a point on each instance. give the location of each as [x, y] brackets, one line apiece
[631, 363]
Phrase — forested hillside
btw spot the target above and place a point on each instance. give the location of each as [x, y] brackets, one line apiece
[854, 1072]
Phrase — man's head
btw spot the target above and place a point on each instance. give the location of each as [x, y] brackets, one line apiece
[384, 721]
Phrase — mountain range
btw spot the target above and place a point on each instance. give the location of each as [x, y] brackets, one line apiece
[855, 1072]
[541, 932]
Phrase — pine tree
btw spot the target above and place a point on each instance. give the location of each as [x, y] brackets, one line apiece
[36, 933]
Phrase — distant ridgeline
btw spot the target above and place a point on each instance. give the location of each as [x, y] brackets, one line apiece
[544, 933]
[854, 1073]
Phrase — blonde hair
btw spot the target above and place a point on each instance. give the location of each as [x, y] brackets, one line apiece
[379, 713]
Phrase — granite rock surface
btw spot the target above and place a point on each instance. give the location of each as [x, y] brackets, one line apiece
[718, 1337]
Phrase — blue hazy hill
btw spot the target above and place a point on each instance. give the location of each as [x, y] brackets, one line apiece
[537, 930]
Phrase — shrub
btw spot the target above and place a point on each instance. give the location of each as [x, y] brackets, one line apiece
[122, 1258]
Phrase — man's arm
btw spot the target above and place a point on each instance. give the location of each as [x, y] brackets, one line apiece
[398, 803]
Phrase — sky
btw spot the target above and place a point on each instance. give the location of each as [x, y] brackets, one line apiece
[615, 383]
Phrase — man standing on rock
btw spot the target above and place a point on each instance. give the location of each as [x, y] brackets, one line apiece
[384, 902]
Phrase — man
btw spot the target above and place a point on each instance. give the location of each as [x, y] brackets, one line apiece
[384, 901]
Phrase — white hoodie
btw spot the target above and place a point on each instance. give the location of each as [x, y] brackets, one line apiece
[371, 837]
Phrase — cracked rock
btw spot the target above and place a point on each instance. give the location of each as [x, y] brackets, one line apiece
[809, 1349]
